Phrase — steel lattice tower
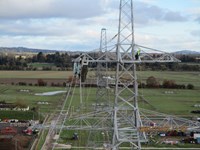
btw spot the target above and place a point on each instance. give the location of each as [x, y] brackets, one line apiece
[102, 112]
[102, 92]
[126, 119]
[121, 119]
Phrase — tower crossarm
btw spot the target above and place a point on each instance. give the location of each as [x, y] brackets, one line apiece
[146, 56]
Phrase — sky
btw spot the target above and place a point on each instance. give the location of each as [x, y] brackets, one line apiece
[75, 25]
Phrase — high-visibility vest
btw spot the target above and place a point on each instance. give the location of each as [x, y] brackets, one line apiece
[138, 52]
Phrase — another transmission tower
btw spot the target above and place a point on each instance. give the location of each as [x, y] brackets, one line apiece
[102, 82]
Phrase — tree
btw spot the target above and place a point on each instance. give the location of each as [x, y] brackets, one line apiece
[190, 86]
[152, 82]
[40, 57]
[169, 84]
[41, 82]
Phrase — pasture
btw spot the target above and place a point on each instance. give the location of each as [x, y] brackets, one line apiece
[179, 77]
[34, 74]
[180, 102]
[170, 101]
[26, 95]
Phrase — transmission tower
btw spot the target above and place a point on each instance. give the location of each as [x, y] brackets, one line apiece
[102, 113]
[122, 118]
[102, 82]
[126, 119]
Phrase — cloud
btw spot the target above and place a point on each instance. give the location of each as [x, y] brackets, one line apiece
[53, 33]
[174, 17]
[146, 13]
[17, 9]
[198, 19]
[50, 42]
[38, 27]
[167, 44]
[196, 33]
[76, 24]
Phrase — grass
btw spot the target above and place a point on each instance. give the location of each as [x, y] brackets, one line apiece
[42, 139]
[35, 74]
[11, 94]
[42, 65]
[180, 102]
[179, 77]
[20, 115]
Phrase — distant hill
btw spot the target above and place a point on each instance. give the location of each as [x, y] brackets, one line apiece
[26, 50]
[46, 51]
[186, 52]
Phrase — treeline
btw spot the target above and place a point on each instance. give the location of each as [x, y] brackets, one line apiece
[153, 82]
[11, 63]
[172, 66]
[40, 82]
[63, 61]
[60, 60]
[189, 58]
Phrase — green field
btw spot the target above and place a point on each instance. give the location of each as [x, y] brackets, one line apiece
[179, 77]
[176, 102]
[11, 94]
[170, 101]
[180, 102]
[40, 65]
[20, 115]
[35, 74]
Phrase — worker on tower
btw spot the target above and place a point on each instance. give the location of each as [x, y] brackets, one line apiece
[137, 55]
[77, 69]
[84, 67]
[81, 68]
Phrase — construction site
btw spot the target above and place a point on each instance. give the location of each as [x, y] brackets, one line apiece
[16, 135]
[101, 107]
[106, 115]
